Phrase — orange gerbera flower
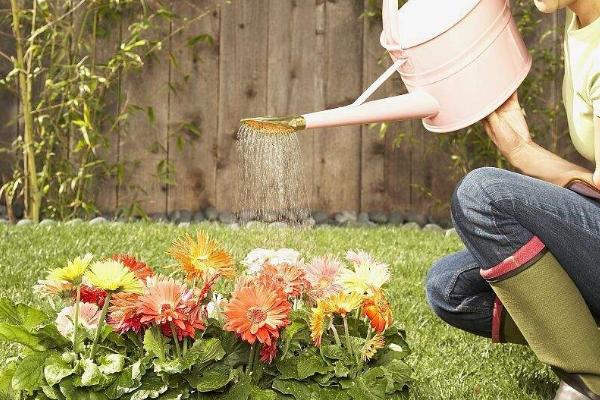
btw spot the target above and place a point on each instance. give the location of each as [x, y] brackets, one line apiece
[123, 316]
[289, 278]
[167, 302]
[140, 269]
[202, 257]
[378, 310]
[256, 312]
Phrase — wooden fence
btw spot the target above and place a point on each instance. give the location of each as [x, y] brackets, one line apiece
[275, 57]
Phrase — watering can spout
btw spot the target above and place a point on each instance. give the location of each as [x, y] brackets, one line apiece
[414, 105]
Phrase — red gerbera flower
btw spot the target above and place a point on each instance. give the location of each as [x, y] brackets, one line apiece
[90, 294]
[268, 353]
[140, 269]
[123, 315]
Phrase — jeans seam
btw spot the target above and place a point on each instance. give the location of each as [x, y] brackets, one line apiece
[551, 214]
[492, 203]
[452, 283]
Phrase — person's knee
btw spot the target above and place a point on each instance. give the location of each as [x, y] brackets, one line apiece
[475, 193]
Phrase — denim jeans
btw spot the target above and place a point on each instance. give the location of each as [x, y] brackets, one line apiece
[496, 212]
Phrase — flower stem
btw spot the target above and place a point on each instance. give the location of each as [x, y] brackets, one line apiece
[76, 318]
[100, 324]
[185, 345]
[347, 334]
[335, 334]
[175, 340]
[250, 365]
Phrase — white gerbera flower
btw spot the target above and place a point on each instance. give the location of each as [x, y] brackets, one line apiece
[257, 258]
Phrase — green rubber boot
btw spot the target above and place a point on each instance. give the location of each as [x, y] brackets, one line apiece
[504, 328]
[550, 312]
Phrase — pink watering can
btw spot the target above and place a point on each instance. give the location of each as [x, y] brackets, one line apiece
[459, 59]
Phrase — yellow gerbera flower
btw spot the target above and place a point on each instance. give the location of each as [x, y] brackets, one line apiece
[112, 276]
[366, 277]
[202, 256]
[317, 323]
[370, 348]
[73, 272]
[342, 303]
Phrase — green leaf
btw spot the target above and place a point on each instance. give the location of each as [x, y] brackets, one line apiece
[56, 369]
[91, 374]
[289, 333]
[72, 392]
[310, 364]
[151, 388]
[288, 368]
[262, 394]
[19, 334]
[127, 381]
[21, 314]
[6, 376]
[202, 351]
[307, 391]
[340, 370]
[51, 338]
[202, 38]
[112, 363]
[29, 374]
[212, 378]
[236, 350]
[335, 352]
[153, 343]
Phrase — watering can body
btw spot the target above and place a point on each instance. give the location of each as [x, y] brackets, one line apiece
[459, 59]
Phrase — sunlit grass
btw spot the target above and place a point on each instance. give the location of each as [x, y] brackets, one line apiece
[448, 364]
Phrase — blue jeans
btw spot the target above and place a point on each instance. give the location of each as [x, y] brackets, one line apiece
[496, 212]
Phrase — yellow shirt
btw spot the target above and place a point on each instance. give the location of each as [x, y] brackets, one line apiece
[581, 85]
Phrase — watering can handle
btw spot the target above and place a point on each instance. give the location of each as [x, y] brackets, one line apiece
[390, 23]
[375, 85]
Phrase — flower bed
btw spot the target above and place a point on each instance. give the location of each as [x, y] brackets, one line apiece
[279, 328]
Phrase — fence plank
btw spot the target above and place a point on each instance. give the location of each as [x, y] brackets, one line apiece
[337, 152]
[107, 44]
[9, 102]
[194, 107]
[385, 166]
[292, 69]
[143, 144]
[242, 85]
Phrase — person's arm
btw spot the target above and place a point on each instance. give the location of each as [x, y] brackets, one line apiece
[597, 143]
[508, 130]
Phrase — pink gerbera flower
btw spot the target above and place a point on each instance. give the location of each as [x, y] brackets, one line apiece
[89, 315]
[323, 274]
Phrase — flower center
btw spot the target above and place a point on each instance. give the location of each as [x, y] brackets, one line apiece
[324, 282]
[256, 315]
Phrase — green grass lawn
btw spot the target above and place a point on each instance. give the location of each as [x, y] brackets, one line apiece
[448, 364]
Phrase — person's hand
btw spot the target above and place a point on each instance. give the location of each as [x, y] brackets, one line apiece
[507, 127]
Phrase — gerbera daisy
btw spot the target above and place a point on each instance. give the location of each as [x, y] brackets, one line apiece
[89, 315]
[289, 278]
[140, 269]
[258, 258]
[168, 302]
[46, 287]
[202, 256]
[342, 303]
[359, 257]
[123, 316]
[318, 318]
[366, 277]
[257, 313]
[90, 294]
[112, 276]
[378, 310]
[323, 274]
[371, 346]
[268, 353]
[73, 272]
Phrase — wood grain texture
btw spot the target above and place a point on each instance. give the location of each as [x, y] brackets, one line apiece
[337, 151]
[242, 85]
[194, 107]
[293, 70]
[143, 143]
[385, 166]
[9, 102]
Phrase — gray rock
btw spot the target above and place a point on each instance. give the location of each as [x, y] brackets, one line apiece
[411, 225]
[18, 210]
[227, 217]
[379, 217]
[180, 216]
[420, 219]
[433, 228]
[47, 222]
[183, 224]
[396, 218]
[320, 217]
[234, 226]
[247, 216]
[345, 217]
[278, 225]
[445, 222]
[363, 218]
[158, 217]
[98, 221]
[451, 233]
[4, 221]
[254, 224]
[25, 222]
[211, 214]
[308, 223]
[2, 210]
[74, 221]
[199, 216]
[117, 223]
[269, 216]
